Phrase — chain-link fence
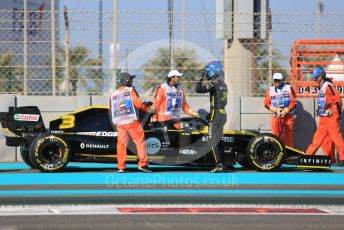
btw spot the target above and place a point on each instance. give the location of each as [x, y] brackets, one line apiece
[40, 55]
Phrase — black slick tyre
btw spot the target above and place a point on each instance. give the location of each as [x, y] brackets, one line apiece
[266, 152]
[49, 153]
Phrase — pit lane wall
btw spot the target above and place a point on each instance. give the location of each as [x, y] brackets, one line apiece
[243, 113]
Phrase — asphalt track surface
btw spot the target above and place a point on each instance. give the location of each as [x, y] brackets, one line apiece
[172, 217]
[194, 222]
[100, 184]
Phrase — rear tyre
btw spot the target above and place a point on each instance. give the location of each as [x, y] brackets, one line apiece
[25, 155]
[49, 153]
[266, 152]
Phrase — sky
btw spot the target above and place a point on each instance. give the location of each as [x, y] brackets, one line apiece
[280, 5]
[276, 6]
[305, 5]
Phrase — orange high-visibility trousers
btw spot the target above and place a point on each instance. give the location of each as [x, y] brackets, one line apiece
[286, 132]
[329, 148]
[328, 127]
[135, 131]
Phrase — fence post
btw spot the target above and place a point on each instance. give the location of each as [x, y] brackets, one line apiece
[170, 32]
[53, 48]
[270, 58]
[65, 14]
[25, 47]
[115, 40]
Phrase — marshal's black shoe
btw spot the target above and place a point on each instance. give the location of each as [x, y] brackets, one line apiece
[144, 169]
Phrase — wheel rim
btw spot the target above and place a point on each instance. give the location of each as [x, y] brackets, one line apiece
[51, 153]
[265, 153]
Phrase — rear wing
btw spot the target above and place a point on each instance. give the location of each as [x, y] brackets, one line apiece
[22, 121]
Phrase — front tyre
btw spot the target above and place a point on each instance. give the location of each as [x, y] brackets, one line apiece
[266, 152]
[49, 153]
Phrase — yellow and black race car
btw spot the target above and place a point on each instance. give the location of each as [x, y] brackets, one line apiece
[88, 136]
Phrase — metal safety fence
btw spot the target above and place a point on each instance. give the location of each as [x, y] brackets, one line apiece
[49, 50]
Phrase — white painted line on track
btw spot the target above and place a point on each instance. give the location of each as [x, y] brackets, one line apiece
[169, 209]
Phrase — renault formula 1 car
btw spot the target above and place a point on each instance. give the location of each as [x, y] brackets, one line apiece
[88, 136]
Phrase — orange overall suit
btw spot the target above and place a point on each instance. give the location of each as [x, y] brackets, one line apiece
[169, 102]
[328, 131]
[329, 148]
[282, 100]
[123, 103]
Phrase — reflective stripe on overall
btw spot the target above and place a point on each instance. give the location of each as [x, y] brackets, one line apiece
[282, 127]
[321, 100]
[280, 98]
[174, 100]
[123, 111]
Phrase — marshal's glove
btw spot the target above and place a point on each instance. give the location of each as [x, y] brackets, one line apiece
[193, 113]
[279, 112]
[284, 112]
[273, 109]
[329, 112]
